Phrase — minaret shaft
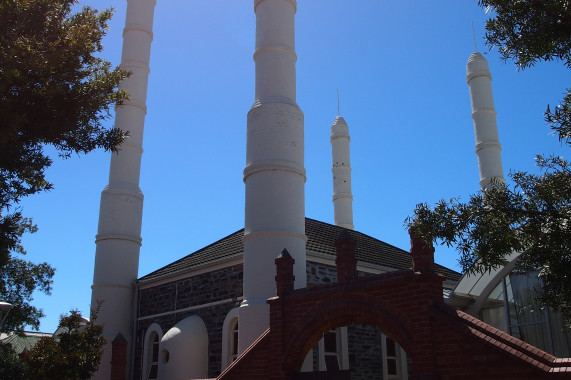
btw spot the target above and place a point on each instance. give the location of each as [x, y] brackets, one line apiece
[342, 195]
[274, 175]
[118, 237]
[488, 148]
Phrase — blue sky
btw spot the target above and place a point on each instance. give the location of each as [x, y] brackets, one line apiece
[400, 68]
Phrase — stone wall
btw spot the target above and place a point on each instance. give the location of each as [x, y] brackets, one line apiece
[365, 352]
[175, 296]
[318, 274]
[222, 285]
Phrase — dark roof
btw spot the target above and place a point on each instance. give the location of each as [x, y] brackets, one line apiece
[321, 238]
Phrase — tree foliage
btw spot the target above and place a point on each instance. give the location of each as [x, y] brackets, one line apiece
[11, 367]
[18, 281]
[54, 90]
[56, 94]
[533, 215]
[532, 218]
[73, 353]
[528, 31]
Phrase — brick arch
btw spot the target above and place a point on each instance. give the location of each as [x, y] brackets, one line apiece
[408, 306]
[342, 310]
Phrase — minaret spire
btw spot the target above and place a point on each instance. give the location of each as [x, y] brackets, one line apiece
[488, 148]
[342, 196]
[474, 36]
[338, 104]
[118, 237]
[274, 175]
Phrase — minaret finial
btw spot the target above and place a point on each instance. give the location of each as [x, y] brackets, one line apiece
[474, 36]
[338, 108]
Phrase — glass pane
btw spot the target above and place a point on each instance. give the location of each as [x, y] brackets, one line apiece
[235, 343]
[155, 352]
[392, 366]
[391, 349]
[523, 288]
[153, 373]
[561, 339]
[331, 363]
[330, 341]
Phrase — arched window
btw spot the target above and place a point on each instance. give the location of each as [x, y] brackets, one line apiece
[151, 346]
[394, 360]
[230, 332]
[234, 340]
[333, 350]
[154, 365]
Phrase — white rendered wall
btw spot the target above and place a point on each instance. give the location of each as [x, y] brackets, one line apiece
[342, 195]
[183, 352]
[274, 175]
[119, 233]
[488, 148]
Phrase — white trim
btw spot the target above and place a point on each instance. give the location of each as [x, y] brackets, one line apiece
[400, 358]
[231, 317]
[148, 345]
[195, 271]
[362, 266]
[314, 257]
[342, 350]
[190, 308]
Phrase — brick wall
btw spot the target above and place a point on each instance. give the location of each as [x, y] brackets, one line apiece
[407, 306]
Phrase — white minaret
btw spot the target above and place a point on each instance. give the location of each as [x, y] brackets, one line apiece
[342, 196]
[274, 173]
[488, 148]
[119, 233]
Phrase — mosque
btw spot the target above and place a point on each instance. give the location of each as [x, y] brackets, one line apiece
[211, 305]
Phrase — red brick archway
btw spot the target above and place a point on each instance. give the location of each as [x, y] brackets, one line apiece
[335, 310]
[408, 307]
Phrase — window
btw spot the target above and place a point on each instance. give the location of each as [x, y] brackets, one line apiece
[529, 321]
[230, 333]
[154, 364]
[512, 307]
[151, 347]
[333, 352]
[394, 360]
[330, 351]
[234, 340]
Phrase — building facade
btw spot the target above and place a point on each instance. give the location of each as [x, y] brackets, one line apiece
[208, 284]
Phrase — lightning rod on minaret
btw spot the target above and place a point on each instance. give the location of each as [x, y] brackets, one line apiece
[338, 109]
[474, 36]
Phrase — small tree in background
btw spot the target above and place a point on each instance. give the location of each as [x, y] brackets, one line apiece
[74, 353]
[11, 367]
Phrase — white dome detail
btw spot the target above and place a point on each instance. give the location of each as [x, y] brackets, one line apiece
[184, 351]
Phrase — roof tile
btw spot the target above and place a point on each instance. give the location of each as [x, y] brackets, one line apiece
[321, 238]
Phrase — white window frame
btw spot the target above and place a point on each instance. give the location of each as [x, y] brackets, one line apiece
[399, 357]
[152, 331]
[228, 337]
[342, 353]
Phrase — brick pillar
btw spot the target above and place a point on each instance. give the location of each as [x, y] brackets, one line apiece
[346, 261]
[119, 358]
[284, 273]
[422, 254]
